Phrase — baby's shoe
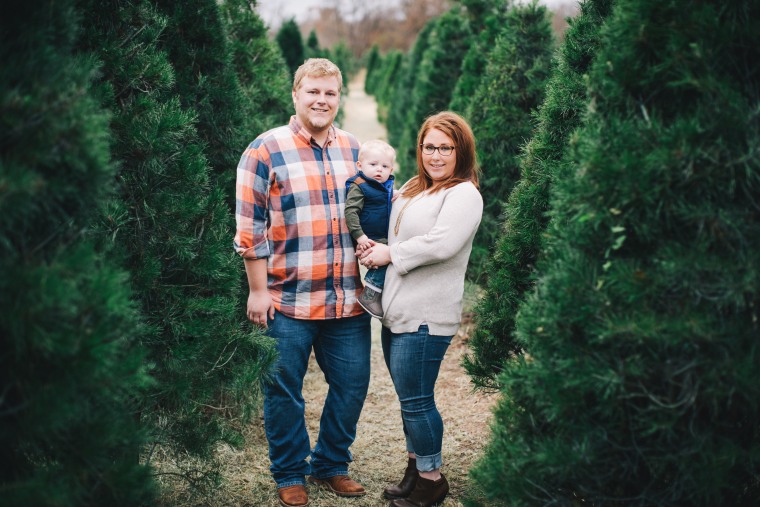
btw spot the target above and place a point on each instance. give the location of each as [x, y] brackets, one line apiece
[371, 301]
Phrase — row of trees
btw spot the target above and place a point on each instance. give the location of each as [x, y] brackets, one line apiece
[296, 50]
[620, 320]
[489, 61]
[122, 301]
[642, 327]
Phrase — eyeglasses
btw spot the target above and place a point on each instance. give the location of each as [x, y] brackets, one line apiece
[429, 149]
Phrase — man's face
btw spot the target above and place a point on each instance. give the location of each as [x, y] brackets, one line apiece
[316, 101]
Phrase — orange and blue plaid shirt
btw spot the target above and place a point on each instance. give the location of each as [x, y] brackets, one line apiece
[290, 209]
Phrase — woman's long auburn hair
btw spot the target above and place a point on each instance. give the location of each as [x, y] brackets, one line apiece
[466, 168]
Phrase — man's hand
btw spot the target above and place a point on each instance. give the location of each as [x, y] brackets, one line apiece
[260, 307]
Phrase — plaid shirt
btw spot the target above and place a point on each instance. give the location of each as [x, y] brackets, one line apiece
[290, 209]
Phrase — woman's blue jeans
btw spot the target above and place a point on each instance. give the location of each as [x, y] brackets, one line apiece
[414, 360]
[342, 350]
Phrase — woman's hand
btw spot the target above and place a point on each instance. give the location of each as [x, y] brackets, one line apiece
[378, 255]
[362, 244]
[260, 307]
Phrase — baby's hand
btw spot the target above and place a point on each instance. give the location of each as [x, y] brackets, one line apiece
[394, 195]
[363, 243]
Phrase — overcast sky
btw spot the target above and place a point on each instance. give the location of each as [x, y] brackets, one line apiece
[274, 11]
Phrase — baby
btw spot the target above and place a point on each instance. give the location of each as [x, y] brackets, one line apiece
[368, 208]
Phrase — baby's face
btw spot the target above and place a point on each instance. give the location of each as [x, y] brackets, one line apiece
[376, 165]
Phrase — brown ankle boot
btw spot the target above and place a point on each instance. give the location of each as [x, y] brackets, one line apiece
[406, 486]
[427, 493]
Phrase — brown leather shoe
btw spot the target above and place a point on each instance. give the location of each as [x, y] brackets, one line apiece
[293, 496]
[407, 484]
[341, 485]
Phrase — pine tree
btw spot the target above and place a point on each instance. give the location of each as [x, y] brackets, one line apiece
[341, 55]
[438, 72]
[502, 115]
[641, 387]
[70, 368]
[171, 225]
[526, 212]
[313, 50]
[386, 80]
[291, 44]
[261, 70]
[487, 20]
[198, 49]
[408, 73]
[374, 63]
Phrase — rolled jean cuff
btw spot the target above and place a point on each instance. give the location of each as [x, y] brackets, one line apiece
[429, 463]
[291, 482]
[330, 475]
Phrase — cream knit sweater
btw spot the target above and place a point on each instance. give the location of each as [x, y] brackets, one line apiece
[425, 280]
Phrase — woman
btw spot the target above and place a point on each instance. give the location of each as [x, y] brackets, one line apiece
[432, 226]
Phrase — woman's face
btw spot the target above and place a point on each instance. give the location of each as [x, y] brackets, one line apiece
[437, 166]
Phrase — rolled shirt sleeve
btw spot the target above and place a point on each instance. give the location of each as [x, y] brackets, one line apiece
[251, 203]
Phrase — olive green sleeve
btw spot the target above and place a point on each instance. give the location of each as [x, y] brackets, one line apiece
[354, 205]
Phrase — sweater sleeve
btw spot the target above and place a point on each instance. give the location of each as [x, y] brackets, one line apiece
[454, 228]
[354, 205]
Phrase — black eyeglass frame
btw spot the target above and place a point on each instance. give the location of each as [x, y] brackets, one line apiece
[434, 148]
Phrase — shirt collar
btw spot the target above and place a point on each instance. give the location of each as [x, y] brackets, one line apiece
[304, 134]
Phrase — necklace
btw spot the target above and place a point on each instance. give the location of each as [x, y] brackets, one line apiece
[400, 215]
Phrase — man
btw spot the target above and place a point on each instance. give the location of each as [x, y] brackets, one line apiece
[304, 282]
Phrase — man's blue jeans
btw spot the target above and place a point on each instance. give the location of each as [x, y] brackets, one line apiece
[341, 347]
[414, 360]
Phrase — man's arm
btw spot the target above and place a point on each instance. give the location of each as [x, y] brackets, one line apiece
[259, 301]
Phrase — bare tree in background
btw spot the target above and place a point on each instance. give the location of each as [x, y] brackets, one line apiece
[390, 25]
[362, 24]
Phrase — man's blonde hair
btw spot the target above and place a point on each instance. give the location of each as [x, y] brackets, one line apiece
[377, 145]
[317, 67]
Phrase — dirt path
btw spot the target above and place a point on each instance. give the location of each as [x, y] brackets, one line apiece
[379, 450]
[360, 112]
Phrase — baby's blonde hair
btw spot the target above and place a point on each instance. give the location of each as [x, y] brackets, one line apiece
[377, 145]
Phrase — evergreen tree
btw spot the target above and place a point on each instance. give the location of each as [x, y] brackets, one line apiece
[641, 387]
[312, 46]
[399, 105]
[487, 20]
[70, 369]
[526, 212]
[261, 70]
[501, 113]
[198, 49]
[438, 72]
[385, 82]
[341, 55]
[291, 44]
[171, 225]
[374, 63]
